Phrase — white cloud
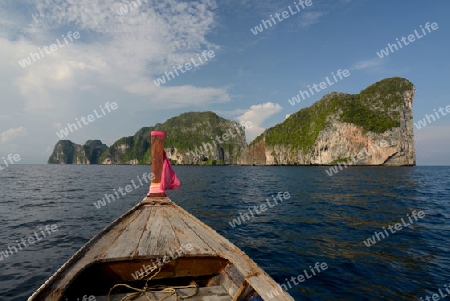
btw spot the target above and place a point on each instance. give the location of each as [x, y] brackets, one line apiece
[257, 114]
[362, 65]
[178, 96]
[106, 54]
[309, 18]
[11, 134]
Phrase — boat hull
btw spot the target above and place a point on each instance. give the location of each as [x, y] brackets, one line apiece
[159, 244]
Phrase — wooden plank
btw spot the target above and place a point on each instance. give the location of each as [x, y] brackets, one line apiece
[127, 243]
[159, 239]
[90, 252]
[186, 235]
[149, 242]
[143, 247]
[232, 280]
[265, 285]
[167, 241]
[220, 245]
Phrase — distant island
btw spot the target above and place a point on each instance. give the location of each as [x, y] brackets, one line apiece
[374, 127]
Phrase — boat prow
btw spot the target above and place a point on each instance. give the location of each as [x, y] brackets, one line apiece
[159, 245]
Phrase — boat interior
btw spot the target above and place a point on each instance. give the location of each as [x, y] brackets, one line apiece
[204, 278]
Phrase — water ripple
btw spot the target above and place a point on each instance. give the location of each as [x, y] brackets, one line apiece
[325, 220]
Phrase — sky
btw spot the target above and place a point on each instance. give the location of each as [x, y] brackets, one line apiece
[104, 52]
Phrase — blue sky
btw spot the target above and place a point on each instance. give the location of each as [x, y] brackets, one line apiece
[250, 78]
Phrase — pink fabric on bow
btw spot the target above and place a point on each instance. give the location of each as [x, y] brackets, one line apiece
[169, 179]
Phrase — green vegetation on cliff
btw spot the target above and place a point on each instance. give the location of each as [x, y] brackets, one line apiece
[94, 149]
[189, 130]
[374, 109]
[185, 132]
[67, 152]
[135, 147]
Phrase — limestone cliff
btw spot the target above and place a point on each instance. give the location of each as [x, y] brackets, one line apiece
[203, 138]
[192, 138]
[67, 152]
[374, 127]
[130, 150]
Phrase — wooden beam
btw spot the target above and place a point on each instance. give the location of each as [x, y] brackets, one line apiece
[157, 139]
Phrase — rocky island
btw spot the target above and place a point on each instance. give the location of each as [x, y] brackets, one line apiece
[374, 127]
[340, 127]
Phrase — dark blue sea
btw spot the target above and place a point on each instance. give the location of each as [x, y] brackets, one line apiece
[325, 220]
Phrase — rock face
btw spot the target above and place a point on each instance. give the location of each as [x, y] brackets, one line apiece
[374, 127]
[192, 138]
[212, 152]
[67, 152]
[203, 138]
[129, 150]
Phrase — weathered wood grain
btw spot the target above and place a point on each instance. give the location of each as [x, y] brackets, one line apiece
[186, 235]
[154, 228]
[128, 241]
